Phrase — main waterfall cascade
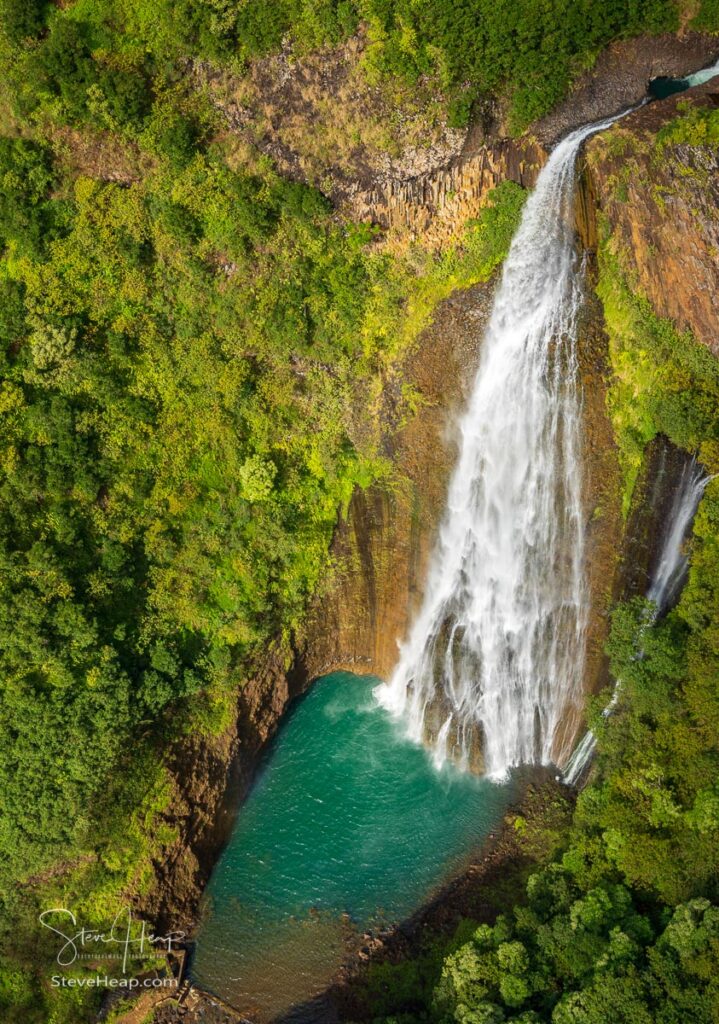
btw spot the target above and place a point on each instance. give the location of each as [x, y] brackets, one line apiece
[665, 586]
[495, 656]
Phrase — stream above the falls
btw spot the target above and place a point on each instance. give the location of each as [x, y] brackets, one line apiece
[662, 87]
[348, 827]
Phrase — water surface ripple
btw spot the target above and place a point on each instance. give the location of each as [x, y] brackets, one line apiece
[348, 826]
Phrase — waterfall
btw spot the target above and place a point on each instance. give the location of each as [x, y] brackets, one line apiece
[584, 752]
[495, 656]
[670, 572]
[667, 580]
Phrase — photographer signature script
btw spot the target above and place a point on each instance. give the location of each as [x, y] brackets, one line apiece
[120, 937]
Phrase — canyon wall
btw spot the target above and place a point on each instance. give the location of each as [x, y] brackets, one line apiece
[209, 775]
[382, 547]
[663, 207]
[661, 200]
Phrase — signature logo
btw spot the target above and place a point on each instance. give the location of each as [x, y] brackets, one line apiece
[127, 938]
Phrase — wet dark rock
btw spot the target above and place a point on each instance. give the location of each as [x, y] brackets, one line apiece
[620, 79]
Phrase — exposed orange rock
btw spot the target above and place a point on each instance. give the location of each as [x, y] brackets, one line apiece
[663, 207]
[382, 548]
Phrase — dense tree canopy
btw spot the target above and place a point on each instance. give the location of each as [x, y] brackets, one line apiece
[192, 354]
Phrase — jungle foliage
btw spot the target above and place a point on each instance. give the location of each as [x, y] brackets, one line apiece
[118, 57]
[192, 359]
[191, 372]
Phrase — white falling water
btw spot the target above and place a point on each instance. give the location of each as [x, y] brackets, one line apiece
[496, 654]
[584, 751]
[666, 583]
[670, 572]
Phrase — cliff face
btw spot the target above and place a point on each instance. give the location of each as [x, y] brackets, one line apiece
[321, 121]
[602, 500]
[661, 201]
[434, 206]
[209, 776]
[381, 549]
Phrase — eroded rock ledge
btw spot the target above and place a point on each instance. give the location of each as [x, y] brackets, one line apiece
[620, 77]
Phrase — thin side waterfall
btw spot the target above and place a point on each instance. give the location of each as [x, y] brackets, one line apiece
[670, 573]
[667, 581]
[496, 654]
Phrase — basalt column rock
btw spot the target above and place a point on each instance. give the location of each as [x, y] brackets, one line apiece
[434, 207]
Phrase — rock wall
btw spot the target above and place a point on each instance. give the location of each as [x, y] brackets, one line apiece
[652, 501]
[382, 547]
[602, 502]
[435, 206]
[210, 775]
[662, 203]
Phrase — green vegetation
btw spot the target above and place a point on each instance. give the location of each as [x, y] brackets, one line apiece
[706, 19]
[577, 956]
[663, 381]
[192, 361]
[696, 126]
[527, 52]
[118, 59]
[193, 352]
